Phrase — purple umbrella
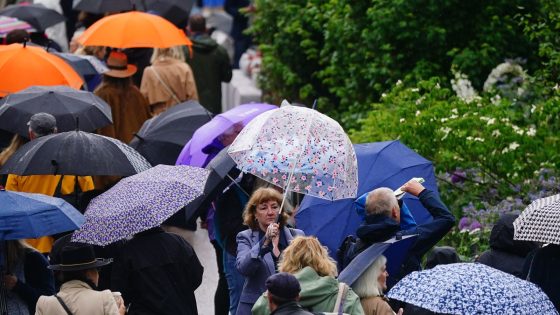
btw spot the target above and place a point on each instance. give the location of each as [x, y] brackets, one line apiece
[140, 202]
[192, 152]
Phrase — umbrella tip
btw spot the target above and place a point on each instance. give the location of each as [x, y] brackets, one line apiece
[314, 104]
[77, 123]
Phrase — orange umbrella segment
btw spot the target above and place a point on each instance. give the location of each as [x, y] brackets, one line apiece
[23, 66]
[133, 29]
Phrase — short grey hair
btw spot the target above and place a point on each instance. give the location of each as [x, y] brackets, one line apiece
[381, 201]
[42, 124]
[367, 284]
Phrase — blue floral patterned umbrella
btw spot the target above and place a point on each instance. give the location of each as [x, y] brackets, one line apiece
[471, 288]
[140, 202]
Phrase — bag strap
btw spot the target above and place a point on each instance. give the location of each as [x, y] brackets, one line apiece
[340, 298]
[64, 306]
[167, 88]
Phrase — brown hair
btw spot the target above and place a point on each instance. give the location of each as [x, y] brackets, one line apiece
[259, 196]
[307, 251]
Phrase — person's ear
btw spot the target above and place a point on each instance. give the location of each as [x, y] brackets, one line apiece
[31, 135]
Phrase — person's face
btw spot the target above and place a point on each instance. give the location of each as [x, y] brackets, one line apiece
[382, 279]
[266, 213]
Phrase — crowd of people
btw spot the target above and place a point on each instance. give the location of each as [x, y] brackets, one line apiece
[266, 264]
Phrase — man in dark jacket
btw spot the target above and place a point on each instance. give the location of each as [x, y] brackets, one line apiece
[544, 272]
[283, 293]
[158, 272]
[210, 65]
[383, 218]
[505, 254]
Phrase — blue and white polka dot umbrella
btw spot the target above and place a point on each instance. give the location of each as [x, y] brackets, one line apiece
[140, 202]
[471, 288]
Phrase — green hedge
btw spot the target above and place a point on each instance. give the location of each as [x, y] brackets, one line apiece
[346, 53]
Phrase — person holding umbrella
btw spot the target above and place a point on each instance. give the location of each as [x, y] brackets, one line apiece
[260, 246]
[42, 124]
[25, 277]
[384, 215]
[78, 294]
[129, 108]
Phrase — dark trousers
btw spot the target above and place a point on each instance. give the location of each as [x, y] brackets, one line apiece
[221, 298]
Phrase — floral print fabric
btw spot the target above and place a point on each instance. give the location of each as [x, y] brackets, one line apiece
[140, 202]
[471, 288]
[300, 150]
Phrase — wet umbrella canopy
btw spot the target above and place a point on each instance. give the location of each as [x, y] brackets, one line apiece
[66, 104]
[39, 16]
[75, 153]
[140, 202]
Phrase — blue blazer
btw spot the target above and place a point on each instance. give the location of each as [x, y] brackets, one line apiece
[256, 269]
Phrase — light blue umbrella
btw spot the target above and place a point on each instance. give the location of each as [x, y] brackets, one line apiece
[25, 215]
[471, 288]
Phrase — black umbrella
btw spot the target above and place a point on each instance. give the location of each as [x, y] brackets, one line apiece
[39, 16]
[223, 173]
[75, 153]
[64, 103]
[161, 139]
[102, 6]
[175, 11]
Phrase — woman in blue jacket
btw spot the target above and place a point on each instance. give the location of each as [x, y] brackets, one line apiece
[260, 246]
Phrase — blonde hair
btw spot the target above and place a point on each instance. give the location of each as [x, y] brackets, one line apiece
[367, 284]
[259, 196]
[15, 144]
[175, 52]
[307, 251]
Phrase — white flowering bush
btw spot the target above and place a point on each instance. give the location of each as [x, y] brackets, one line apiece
[485, 147]
[508, 79]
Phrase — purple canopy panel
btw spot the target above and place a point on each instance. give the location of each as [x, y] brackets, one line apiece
[192, 152]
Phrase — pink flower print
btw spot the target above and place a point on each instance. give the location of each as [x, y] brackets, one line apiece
[293, 181]
[319, 183]
[284, 176]
[261, 161]
[308, 187]
[331, 159]
[296, 189]
[275, 157]
[275, 171]
[303, 177]
[250, 161]
[334, 174]
[330, 188]
[264, 172]
[274, 180]
[321, 193]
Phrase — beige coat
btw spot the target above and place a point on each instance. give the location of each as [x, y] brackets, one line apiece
[376, 305]
[178, 77]
[80, 299]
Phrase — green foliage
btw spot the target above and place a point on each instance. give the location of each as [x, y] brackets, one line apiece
[468, 244]
[346, 53]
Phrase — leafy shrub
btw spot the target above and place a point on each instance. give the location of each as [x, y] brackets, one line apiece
[346, 53]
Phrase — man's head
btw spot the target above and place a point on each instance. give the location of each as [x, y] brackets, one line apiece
[41, 124]
[229, 135]
[383, 201]
[197, 24]
[17, 36]
[282, 288]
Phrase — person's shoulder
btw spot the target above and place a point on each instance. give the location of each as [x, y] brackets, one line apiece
[245, 233]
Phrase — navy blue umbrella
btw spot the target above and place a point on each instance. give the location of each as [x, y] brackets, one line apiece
[25, 215]
[380, 164]
[394, 250]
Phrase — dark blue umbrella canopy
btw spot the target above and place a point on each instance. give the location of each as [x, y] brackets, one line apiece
[25, 215]
[39, 16]
[380, 164]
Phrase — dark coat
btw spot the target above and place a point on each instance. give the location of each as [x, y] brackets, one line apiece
[378, 228]
[290, 308]
[158, 272]
[211, 66]
[229, 218]
[544, 272]
[505, 254]
[38, 279]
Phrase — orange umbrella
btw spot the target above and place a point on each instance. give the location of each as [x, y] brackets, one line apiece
[22, 66]
[133, 29]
